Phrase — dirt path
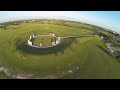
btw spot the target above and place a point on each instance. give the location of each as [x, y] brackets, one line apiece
[77, 36]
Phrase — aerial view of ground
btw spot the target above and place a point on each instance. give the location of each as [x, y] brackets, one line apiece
[81, 54]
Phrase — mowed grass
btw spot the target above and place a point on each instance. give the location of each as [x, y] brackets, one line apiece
[89, 54]
[45, 40]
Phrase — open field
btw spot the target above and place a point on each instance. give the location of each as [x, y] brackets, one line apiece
[77, 57]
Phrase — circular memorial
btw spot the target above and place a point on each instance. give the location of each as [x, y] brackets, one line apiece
[43, 41]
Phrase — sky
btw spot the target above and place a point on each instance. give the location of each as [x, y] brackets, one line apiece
[106, 19]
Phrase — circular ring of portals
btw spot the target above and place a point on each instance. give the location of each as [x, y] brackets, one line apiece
[53, 43]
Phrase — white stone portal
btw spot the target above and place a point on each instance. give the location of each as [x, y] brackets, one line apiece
[40, 44]
[29, 42]
[33, 35]
[59, 39]
[30, 37]
[50, 34]
[53, 35]
[102, 37]
[53, 43]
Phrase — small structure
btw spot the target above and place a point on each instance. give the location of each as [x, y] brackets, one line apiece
[40, 44]
[53, 35]
[53, 43]
[70, 71]
[102, 37]
[117, 53]
[50, 33]
[29, 42]
[30, 37]
[33, 35]
[109, 46]
[58, 38]
[57, 41]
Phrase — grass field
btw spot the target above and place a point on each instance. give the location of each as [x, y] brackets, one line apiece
[82, 57]
[45, 40]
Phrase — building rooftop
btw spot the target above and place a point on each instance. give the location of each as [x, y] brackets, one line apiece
[117, 53]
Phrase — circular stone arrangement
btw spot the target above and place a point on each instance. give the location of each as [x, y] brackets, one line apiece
[53, 43]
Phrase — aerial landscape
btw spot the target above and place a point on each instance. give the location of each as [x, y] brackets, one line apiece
[55, 47]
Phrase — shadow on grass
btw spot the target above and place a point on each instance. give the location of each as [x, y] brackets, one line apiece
[22, 46]
[103, 49]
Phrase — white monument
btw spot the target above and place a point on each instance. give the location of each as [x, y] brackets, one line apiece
[40, 44]
[50, 34]
[53, 43]
[33, 35]
[102, 37]
[57, 41]
[53, 35]
[30, 37]
[29, 42]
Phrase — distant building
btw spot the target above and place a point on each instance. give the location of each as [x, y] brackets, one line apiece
[119, 36]
[102, 37]
[117, 53]
[109, 46]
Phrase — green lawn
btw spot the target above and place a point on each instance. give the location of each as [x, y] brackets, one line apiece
[45, 40]
[83, 57]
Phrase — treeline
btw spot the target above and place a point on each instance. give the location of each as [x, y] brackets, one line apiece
[75, 24]
[108, 38]
[67, 23]
[54, 21]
